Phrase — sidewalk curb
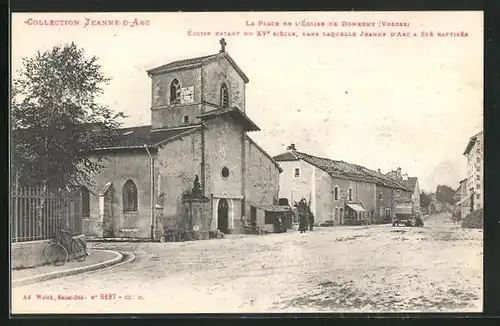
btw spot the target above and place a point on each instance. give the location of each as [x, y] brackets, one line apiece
[69, 272]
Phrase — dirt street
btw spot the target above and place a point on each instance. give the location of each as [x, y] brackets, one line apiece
[378, 268]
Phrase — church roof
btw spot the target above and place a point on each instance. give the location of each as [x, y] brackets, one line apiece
[238, 115]
[137, 137]
[341, 169]
[197, 62]
[265, 153]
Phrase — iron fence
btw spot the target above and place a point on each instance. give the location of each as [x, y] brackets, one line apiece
[38, 213]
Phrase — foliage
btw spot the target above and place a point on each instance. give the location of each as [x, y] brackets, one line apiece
[425, 199]
[474, 220]
[445, 194]
[56, 120]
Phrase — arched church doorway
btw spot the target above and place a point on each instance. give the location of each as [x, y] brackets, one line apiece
[222, 215]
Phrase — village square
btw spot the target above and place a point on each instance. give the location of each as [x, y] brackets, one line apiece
[191, 214]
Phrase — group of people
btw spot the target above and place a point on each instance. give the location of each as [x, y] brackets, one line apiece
[306, 220]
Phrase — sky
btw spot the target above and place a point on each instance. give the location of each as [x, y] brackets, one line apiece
[382, 102]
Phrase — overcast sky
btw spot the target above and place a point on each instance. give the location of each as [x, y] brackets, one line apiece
[379, 102]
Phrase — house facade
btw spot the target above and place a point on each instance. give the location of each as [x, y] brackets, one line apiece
[462, 198]
[197, 143]
[338, 192]
[474, 152]
[412, 184]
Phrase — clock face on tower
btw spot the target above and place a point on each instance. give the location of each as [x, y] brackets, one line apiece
[187, 94]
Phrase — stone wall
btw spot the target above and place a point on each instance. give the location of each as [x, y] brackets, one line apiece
[30, 253]
[261, 177]
[214, 75]
[164, 114]
[121, 166]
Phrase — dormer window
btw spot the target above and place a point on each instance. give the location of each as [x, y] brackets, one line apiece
[175, 92]
[224, 96]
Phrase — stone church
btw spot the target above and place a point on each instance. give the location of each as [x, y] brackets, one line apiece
[197, 150]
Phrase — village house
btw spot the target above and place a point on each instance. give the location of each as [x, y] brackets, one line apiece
[339, 192]
[474, 152]
[411, 183]
[195, 167]
[462, 199]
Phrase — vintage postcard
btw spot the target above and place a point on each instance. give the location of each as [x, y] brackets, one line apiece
[246, 162]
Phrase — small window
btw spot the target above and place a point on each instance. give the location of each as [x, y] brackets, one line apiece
[478, 196]
[387, 213]
[175, 92]
[297, 172]
[336, 193]
[224, 96]
[350, 194]
[129, 197]
[85, 201]
[225, 172]
[186, 119]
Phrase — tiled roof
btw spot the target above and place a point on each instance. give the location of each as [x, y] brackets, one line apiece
[236, 114]
[471, 143]
[199, 61]
[136, 137]
[265, 153]
[341, 169]
[411, 182]
[182, 63]
[286, 156]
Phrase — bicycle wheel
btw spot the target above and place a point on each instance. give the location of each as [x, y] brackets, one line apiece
[78, 249]
[55, 254]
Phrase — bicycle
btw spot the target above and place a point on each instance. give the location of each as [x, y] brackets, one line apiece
[58, 250]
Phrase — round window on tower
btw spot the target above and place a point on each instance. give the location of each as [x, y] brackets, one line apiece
[225, 172]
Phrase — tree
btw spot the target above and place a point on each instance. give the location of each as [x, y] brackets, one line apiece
[445, 194]
[56, 120]
[425, 199]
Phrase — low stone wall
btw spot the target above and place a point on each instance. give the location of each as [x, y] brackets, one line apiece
[27, 254]
[30, 253]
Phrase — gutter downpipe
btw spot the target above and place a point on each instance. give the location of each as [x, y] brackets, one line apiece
[153, 224]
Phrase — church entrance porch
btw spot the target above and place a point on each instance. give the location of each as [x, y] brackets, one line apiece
[226, 214]
[222, 216]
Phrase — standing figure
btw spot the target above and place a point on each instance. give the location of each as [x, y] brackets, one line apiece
[311, 221]
[302, 222]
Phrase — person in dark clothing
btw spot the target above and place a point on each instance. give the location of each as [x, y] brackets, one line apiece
[311, 221]
[302, 223]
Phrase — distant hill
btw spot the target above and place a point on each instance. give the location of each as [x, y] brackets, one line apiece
[446, 173]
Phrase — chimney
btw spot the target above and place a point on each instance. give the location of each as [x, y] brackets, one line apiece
[291, 147]
[399, 172]
[379, 171]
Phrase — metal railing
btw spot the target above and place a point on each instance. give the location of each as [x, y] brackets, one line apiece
[38, 213]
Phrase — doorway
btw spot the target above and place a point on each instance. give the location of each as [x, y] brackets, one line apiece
[222, 216]
[253, 216]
